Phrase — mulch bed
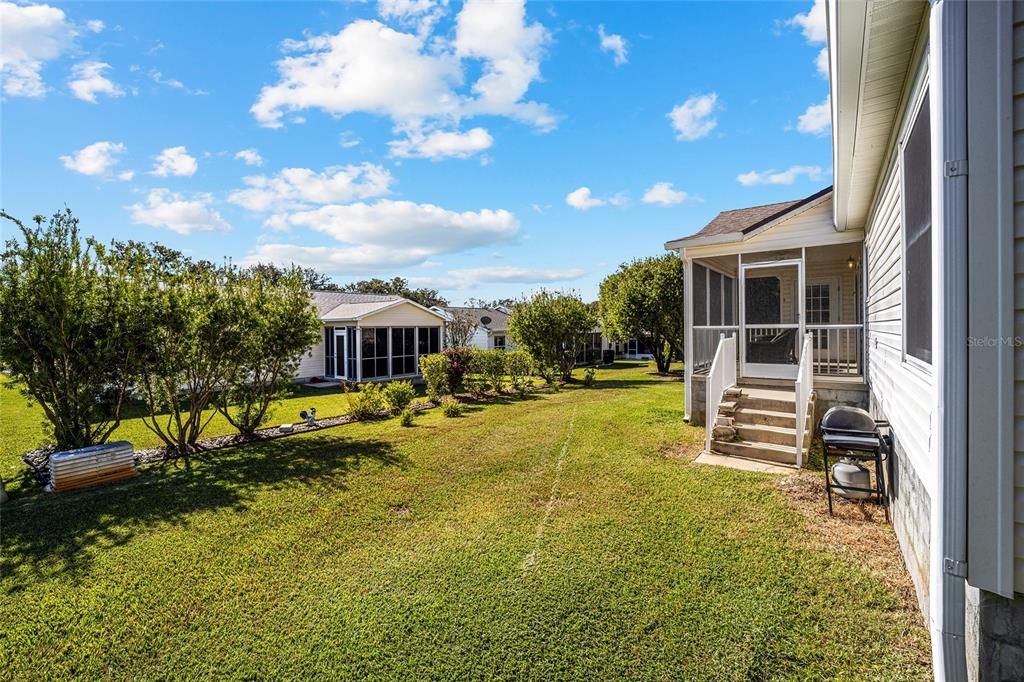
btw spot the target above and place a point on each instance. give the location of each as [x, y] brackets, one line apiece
[38, 460]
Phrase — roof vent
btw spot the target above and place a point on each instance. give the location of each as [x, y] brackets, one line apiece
[485, 320]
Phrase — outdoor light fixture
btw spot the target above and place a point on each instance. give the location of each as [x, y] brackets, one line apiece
[851, 263]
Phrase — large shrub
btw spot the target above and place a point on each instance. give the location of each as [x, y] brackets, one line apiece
[72, 319]
[368, 402]
[551, 327]
[434, 369]
[460, 363]
[398, 395]
[279, 323]
[518, 367]
[490, 365]
[645, 299]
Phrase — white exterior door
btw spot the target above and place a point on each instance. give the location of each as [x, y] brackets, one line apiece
[771, 318]
[341, 353]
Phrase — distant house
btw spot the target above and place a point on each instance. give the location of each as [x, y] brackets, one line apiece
[366, 337]
[491, 326]
[899, 289]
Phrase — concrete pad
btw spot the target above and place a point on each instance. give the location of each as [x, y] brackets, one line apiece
[743, 464]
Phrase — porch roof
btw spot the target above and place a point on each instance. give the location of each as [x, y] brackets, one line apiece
[733, 224]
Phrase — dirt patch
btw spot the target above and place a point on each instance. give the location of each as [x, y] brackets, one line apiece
[686, 452]
[857, 531]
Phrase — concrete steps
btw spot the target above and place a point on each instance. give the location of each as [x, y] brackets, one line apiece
[757, 421]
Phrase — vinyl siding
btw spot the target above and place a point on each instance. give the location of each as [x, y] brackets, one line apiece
[900, 391]
[312, 363]
[1018, 287]
[404, 315]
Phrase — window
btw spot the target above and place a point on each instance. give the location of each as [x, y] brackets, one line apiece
[403, 350]
[375, 352]
[917, 238]
[499, 342]
[819, 311]
[819, 304]
[713, 298]
[429, 340]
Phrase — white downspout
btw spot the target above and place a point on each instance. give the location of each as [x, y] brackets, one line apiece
[687, 334]
[948, 66]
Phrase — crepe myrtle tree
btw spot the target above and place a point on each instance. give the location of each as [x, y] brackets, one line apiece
[551, 327]
[644, 299]
[277, 324]
[459, 330]
[70, 324]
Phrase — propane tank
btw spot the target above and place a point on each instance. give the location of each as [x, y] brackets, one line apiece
[847, 472]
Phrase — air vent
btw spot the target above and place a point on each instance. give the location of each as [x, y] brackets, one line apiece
[485, 320]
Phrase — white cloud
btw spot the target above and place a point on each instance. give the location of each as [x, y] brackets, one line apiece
[817, 120]
[300, 188]
[174, 161]
[421, 14]
[821, 62]
[95, 25]
[94, 159]
[663, 194]
[812, 23]
[442, 144]
[584, 200]
[413, 80]
[366, 66]
[693, 119]
[513, 274]
[88, 80]
[160, 79]
[126, 175]
[30, 36]
[250, 156]
[614, 43]
[511, 50]
[786, 177]
[349, 139]
[175, 212]
[386, 235]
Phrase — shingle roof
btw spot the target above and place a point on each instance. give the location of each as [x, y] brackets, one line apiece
[498, 320]
[326, 301]
[744, 220]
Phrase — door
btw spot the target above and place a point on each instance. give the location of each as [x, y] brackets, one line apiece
[771, 317]
[341, 353]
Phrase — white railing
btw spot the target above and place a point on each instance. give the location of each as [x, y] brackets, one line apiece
[802, 394]
[721, 377]
[838, 349]
[705, 345]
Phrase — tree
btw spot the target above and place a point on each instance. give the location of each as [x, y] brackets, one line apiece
[552, 327]
[194, 349]
[397, 286]
[314, 280]
[70, 320]
[459, 330]
[644, 299]
[278, 324]
[492, 304]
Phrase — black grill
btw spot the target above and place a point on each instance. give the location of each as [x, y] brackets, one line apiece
[851, 433]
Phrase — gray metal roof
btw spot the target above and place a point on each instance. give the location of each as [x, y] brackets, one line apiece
[326, 301]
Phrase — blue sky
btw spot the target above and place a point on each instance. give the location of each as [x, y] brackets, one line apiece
[484, 149]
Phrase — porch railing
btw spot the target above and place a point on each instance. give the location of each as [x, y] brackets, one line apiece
[802, 393]
[721, 376]
[837, 349]
[705, 345]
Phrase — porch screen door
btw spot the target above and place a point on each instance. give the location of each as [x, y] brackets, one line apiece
[341, 351]
[771, 305]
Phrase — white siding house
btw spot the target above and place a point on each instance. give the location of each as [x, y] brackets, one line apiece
[927, 212]
[491, 326]
[368, 337]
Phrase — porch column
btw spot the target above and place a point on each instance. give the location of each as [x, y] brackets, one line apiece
[359, 354]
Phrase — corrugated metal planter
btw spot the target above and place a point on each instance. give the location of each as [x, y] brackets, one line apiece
[86, 467]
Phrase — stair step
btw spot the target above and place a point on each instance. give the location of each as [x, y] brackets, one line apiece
[765, 452]
[774, 401]
[749, 415]
[761, 433]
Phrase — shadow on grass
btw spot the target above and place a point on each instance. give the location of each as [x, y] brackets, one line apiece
[56, 535]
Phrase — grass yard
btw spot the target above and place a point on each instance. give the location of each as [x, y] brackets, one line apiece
[558, 537]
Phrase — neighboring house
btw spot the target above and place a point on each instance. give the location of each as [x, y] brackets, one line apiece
[367, 337]
[491, 326]
[901, 289]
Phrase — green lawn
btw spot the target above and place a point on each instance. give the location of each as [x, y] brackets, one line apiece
[556, 537]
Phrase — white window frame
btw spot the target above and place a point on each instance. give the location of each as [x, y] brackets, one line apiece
[909, 361]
